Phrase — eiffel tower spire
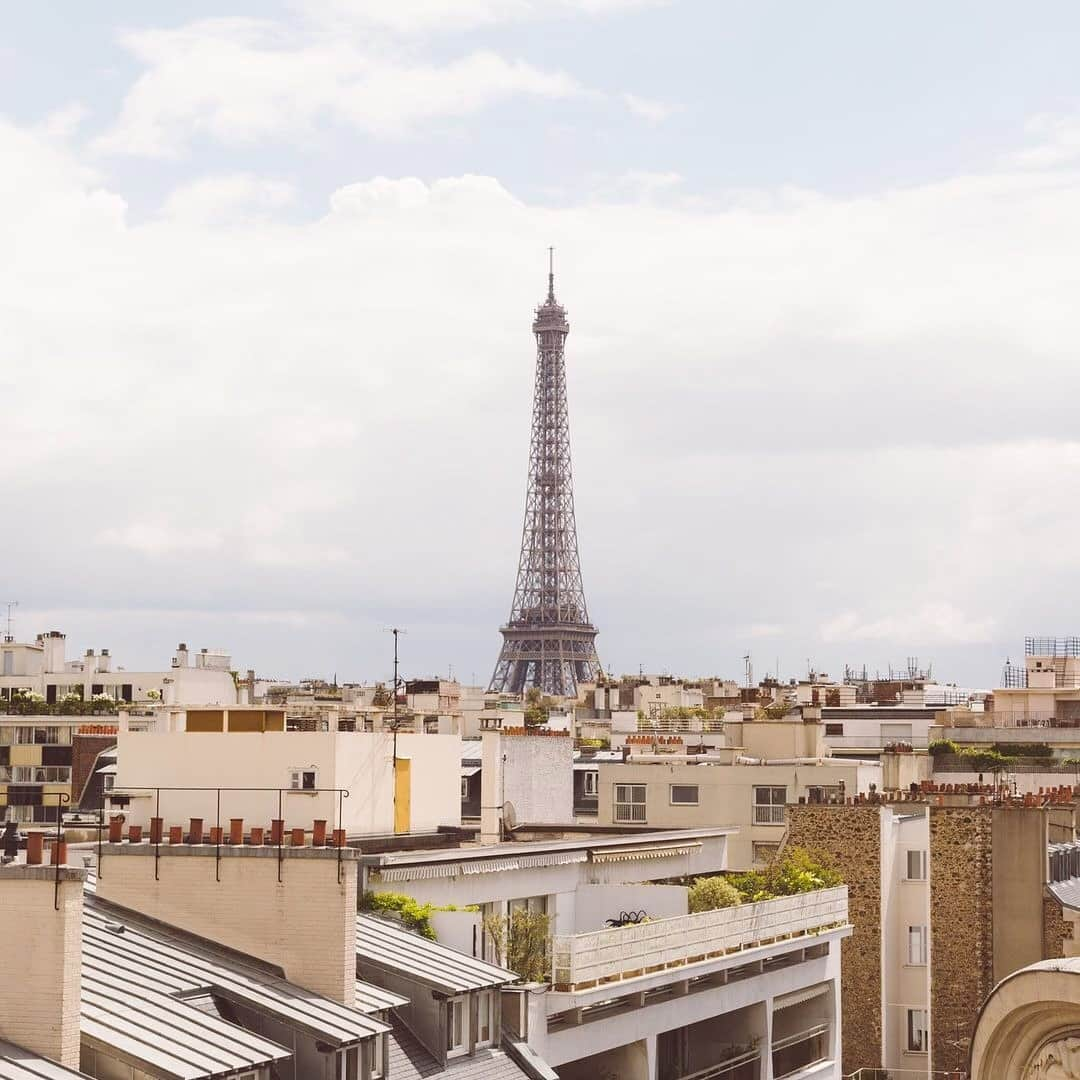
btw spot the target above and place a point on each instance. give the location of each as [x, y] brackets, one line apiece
[548, 641]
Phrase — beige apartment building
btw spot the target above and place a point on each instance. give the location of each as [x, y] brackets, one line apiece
[668, 783]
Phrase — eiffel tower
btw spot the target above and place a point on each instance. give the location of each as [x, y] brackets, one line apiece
[548, 641]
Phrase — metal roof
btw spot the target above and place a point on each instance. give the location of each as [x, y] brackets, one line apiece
[1067, 892]
[19, 1064]
[371, 998]
[409, 1060]
[388, 945]
[160, 958]
[515, 849]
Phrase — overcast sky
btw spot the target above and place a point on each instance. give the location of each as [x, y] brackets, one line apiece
[268, 275]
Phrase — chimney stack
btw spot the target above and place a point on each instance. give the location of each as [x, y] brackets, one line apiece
[42, 918]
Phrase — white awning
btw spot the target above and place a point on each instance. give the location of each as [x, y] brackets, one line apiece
[489, 866]
[108, 769]
[469, 770]
[635, 854]
[417, 873]
[797, 997]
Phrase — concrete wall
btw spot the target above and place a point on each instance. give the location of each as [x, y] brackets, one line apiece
[597, 903]
[435, 777]
[1018, 874]
[39, 996]
[538, 778]
[306, 923]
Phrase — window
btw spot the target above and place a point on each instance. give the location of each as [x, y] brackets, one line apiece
[917, 1040]
[592, 784]
[764, 853]
[457, 1027]
[304, 779]
[630, 802]
[834, 729]
[769, 805]
[916, 866]
[464, 787]
[684, 794]
[484, 1030]
[349, 1064]
[916, 945]
[22, 814]
[373, 1053]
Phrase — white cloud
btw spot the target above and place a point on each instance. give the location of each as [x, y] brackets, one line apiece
[648, 109]
[932, 624]
[1057, 141]
[63, 123]
[331, 414]
[229, 199]
[425, 16]
[244, 81]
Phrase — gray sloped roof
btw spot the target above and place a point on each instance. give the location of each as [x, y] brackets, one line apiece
[19, 1064]
[410, 1061]
[386, 944]
[371, 998]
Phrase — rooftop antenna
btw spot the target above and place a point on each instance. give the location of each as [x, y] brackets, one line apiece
[11, 605]
[551, 275]
[749, 670]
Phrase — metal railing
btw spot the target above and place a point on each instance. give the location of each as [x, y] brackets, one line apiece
[816, 1036]
[876, 742]
[770, 815]
[580, 960]
[724, 1068]
[693, 725]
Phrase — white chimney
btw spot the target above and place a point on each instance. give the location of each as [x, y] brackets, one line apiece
[181, 657]
[104, 661]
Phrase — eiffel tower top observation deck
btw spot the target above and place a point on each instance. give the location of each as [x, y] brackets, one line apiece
[548, 641]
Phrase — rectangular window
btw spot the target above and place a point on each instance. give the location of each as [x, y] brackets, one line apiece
[834, 729]
[630, 803]
[457, 1027]
[684, 794]
[917, 1041]
[592, 784]
[108, 781]
[769, 805]
[304, 779]
[916, 866]
[464, 787]
[9, 662]
[916, 945]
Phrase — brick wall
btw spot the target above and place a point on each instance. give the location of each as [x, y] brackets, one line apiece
[306, 923]
[961, 927]
[39, 998]
[84, 752]
[851, 837]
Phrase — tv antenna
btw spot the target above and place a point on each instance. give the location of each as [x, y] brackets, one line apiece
[11, 605]
[749, 664]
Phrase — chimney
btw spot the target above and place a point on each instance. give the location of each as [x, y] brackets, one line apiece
[89, 663]
[181, 657]
[104, 661]
[42, 917]
[304, 923]
[491, 786]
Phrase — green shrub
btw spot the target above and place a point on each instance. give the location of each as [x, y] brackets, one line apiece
[984, 760]
[522, 943]
[414, 915]
[710, 893]
[797, 870]
[943, 746]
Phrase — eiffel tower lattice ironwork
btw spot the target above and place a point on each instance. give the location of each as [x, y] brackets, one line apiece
[548, 641]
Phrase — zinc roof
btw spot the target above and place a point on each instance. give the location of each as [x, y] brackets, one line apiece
[19, 1064]
[388, 945]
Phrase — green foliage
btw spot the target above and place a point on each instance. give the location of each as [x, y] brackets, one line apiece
[776, 711]
[522, 943]
[381, 698]
[537, 707]
[710, 893]
[414, 915]
[797, 870]
[594, 744]
[1024, 750]
[984, 760]
[943, 746]
[684, 712]
[26, 703]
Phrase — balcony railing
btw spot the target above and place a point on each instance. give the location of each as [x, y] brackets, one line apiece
[583, 960]
[681, 725]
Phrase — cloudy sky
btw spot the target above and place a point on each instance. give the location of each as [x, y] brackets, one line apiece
[265, 295]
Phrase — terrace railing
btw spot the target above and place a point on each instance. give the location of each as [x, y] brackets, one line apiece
[580, 961]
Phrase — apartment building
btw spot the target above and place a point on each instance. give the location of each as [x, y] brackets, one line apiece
[951, 892]
[41, 668]
[676, 781]
[750, 992]
[174, 763]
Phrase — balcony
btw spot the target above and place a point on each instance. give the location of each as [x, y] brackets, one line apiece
[695, 725]
[583, 961]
